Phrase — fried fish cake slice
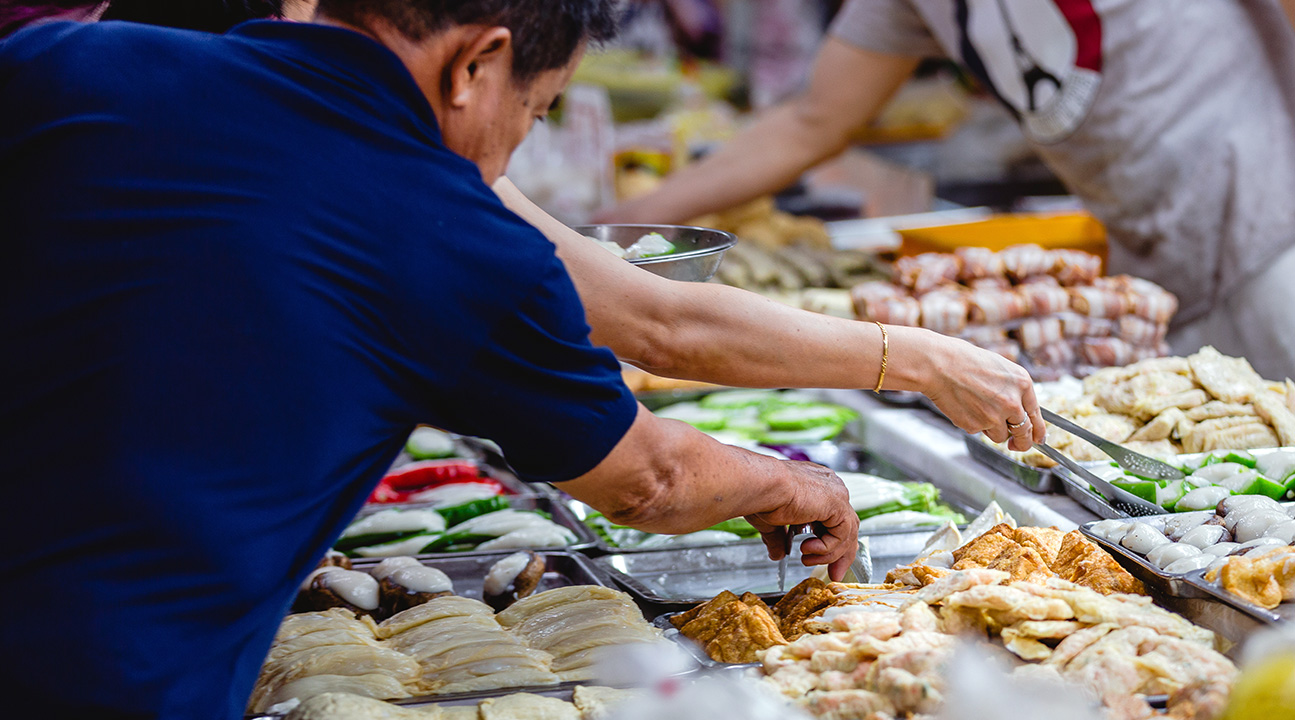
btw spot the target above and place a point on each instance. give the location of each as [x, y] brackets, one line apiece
[703, 628]
[796, 595]
[980, 552]
[813, 601]
[1083, 563]
[1023, 564]
[745, 638]
[705, 608]
[1047, 540]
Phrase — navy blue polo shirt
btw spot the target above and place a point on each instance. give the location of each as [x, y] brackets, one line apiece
[236, 270]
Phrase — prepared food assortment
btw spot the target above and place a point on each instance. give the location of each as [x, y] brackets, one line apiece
[886, 662]
[882, 506]
[1265, 577]
[450, 644]
[486, 524]
[1212, 478]
[1238, 526]
[1050, 308]
[883, 651]
[587, 703]
[815, 279]
[1168, 406]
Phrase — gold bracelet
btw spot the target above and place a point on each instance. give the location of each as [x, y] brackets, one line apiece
[885, 357]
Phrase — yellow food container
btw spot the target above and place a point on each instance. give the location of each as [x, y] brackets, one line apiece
[1073, 231]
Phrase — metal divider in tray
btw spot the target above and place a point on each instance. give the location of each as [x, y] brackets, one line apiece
[690, 576]
[559, 511]
[1034, 479]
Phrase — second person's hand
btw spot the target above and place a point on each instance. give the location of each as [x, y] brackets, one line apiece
[817, 496]
[981, 391]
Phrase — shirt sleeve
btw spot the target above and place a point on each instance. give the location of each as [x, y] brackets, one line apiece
[554, 402]
[892, 27]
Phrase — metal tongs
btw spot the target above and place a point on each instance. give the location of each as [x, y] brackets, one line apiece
[1136, 463]
[1141, 465]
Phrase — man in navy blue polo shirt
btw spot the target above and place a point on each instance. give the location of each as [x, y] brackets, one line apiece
[237, 270]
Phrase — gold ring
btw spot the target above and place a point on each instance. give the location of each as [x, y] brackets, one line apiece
[1016, 426]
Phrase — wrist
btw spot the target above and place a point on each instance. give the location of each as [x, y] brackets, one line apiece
[914, 358]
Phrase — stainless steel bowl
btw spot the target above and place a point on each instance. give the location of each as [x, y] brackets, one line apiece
[697, 258]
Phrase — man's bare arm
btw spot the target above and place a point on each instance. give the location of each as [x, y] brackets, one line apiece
[666, 477]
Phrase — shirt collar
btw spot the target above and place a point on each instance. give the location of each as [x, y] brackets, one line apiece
[351, 53]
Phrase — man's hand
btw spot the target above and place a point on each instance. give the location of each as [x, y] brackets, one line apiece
[667, 477]
[819, 494]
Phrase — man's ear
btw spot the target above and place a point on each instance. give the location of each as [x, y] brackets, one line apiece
[485, 59]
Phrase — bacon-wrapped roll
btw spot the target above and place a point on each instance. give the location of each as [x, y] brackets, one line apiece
[1009, 349]
[1045, 298]
[1105, 352]
[1034, 333]
[1023, 261]
[1075, 267]
[978, 262]
[1149, 301]
[869, 297]
[944, 311]
[1074, 325]
[994, 307]
[1059, 355]
[984, 335]
[1098, 301]
[927, 271]
[901, 310]
[990, 283]
[1140, 331]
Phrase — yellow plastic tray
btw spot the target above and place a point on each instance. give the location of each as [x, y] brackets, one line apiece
[1074, 231]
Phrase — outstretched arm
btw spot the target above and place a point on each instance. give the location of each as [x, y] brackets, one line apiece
[847, 89]
[666, 477]
[720, 334]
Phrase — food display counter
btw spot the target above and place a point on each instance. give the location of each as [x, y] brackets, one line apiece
[960, 548]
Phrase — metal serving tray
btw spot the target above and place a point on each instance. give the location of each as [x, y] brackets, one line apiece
[1079, 491]
[1039, 480]
[1159, 581]
[468, 570]
[1282, 613]
[560, 512]
[688, 576]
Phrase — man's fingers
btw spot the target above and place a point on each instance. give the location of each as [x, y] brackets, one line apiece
[998, 433]
[775, 541]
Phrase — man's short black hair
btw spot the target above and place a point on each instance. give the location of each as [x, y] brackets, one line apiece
[546, 33]
[215, 16]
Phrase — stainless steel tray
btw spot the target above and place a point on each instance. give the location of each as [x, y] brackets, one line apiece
[468, 570]
[688, 576]
[1282, 613]
[561, 515]
[1039, 480]
[1157, 580]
